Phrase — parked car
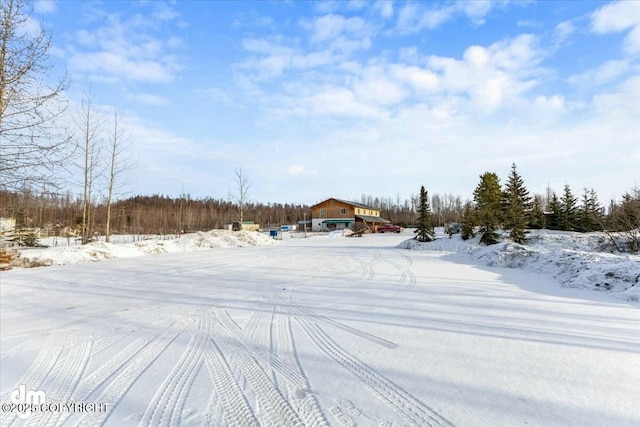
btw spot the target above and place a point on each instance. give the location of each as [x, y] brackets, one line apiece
[452, 228]
[389, 228]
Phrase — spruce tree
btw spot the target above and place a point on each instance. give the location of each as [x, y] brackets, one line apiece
[568, 217]
[536, 218]
[425, 229]
[488, 199]
[517, 206]
[553, 222]
[590, 212]
[467, 222]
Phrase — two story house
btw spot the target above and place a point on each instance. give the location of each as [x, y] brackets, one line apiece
[335, 214]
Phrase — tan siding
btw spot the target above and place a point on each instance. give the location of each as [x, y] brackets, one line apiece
[331, 209]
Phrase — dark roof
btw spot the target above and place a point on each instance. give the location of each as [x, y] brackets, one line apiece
[372, 219]
[358, 205]
[355, 204]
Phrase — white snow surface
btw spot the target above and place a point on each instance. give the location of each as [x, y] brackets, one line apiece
[239, 329]
[134, 246]
[575, 260]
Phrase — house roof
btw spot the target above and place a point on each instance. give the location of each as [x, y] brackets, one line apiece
[372, 219]
[355, 204]
[337, 221]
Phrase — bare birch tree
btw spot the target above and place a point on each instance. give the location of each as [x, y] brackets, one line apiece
[241, 196]
[89, 122]
[32, 144]
[119, 163]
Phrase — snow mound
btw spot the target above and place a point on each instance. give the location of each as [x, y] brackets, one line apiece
[335, 234]
[576, 260]
[99, 251]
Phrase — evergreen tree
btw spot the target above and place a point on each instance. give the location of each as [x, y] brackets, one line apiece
[590, 212]
[568, 217]
[467, 222]
[517, 206]
[536, 218]
[425, 229]
[553, 221]
[488, 199]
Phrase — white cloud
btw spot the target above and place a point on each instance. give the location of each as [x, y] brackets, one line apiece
[337, 101]
[554, 103]
[476, 10]
[329, 27]
[118, 50]
[378, 89]
[419, 79]
[618, 17]
[563, 31]
[111, 64]
[299, 170]
[164, 12]
[604, 73]
[150, 99]
[44, 6]
[490, 76]
[415, 17]
[385, 8]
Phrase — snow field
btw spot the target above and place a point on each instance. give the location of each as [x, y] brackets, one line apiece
[321, 331]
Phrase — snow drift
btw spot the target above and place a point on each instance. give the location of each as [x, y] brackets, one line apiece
[576, 260]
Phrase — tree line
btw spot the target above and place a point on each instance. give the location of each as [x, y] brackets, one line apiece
[513, 209]
[156, 214]
[34, 146]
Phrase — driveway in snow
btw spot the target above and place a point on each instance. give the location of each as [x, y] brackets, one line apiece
[321, 331]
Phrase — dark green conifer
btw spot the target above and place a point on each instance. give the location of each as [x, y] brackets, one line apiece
[553, 219]
[488, 200]
[517, 206]
[425, 229]
[568, 217]
[536, 218]
[467, 222]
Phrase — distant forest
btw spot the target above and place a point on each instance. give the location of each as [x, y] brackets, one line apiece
[158, 214]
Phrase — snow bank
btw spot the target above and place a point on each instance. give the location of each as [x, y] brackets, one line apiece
[576, 260]
[98, 251]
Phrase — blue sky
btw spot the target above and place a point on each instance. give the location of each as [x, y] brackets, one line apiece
[338, 99]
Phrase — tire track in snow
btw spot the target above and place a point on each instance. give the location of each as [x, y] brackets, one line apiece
[93, 381]
[274, 409]
[368, 268]
[233, 404]
[407, 278]
[260, 353]
[67, 379]
[300, 395]
[166, 407]
[330, 322]
[116, 390]
[32, 379]
[404, 404]
[342, 418]
[104, 343]
[98, 377]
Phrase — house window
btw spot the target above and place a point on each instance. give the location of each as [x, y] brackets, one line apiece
[321, 212]
[343, 211]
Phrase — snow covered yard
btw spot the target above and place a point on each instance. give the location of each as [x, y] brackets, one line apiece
[343, 331]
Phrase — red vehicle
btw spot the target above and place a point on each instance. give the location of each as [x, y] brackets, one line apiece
[389, 228]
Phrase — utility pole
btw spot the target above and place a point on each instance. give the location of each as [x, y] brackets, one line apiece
[305, 224]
